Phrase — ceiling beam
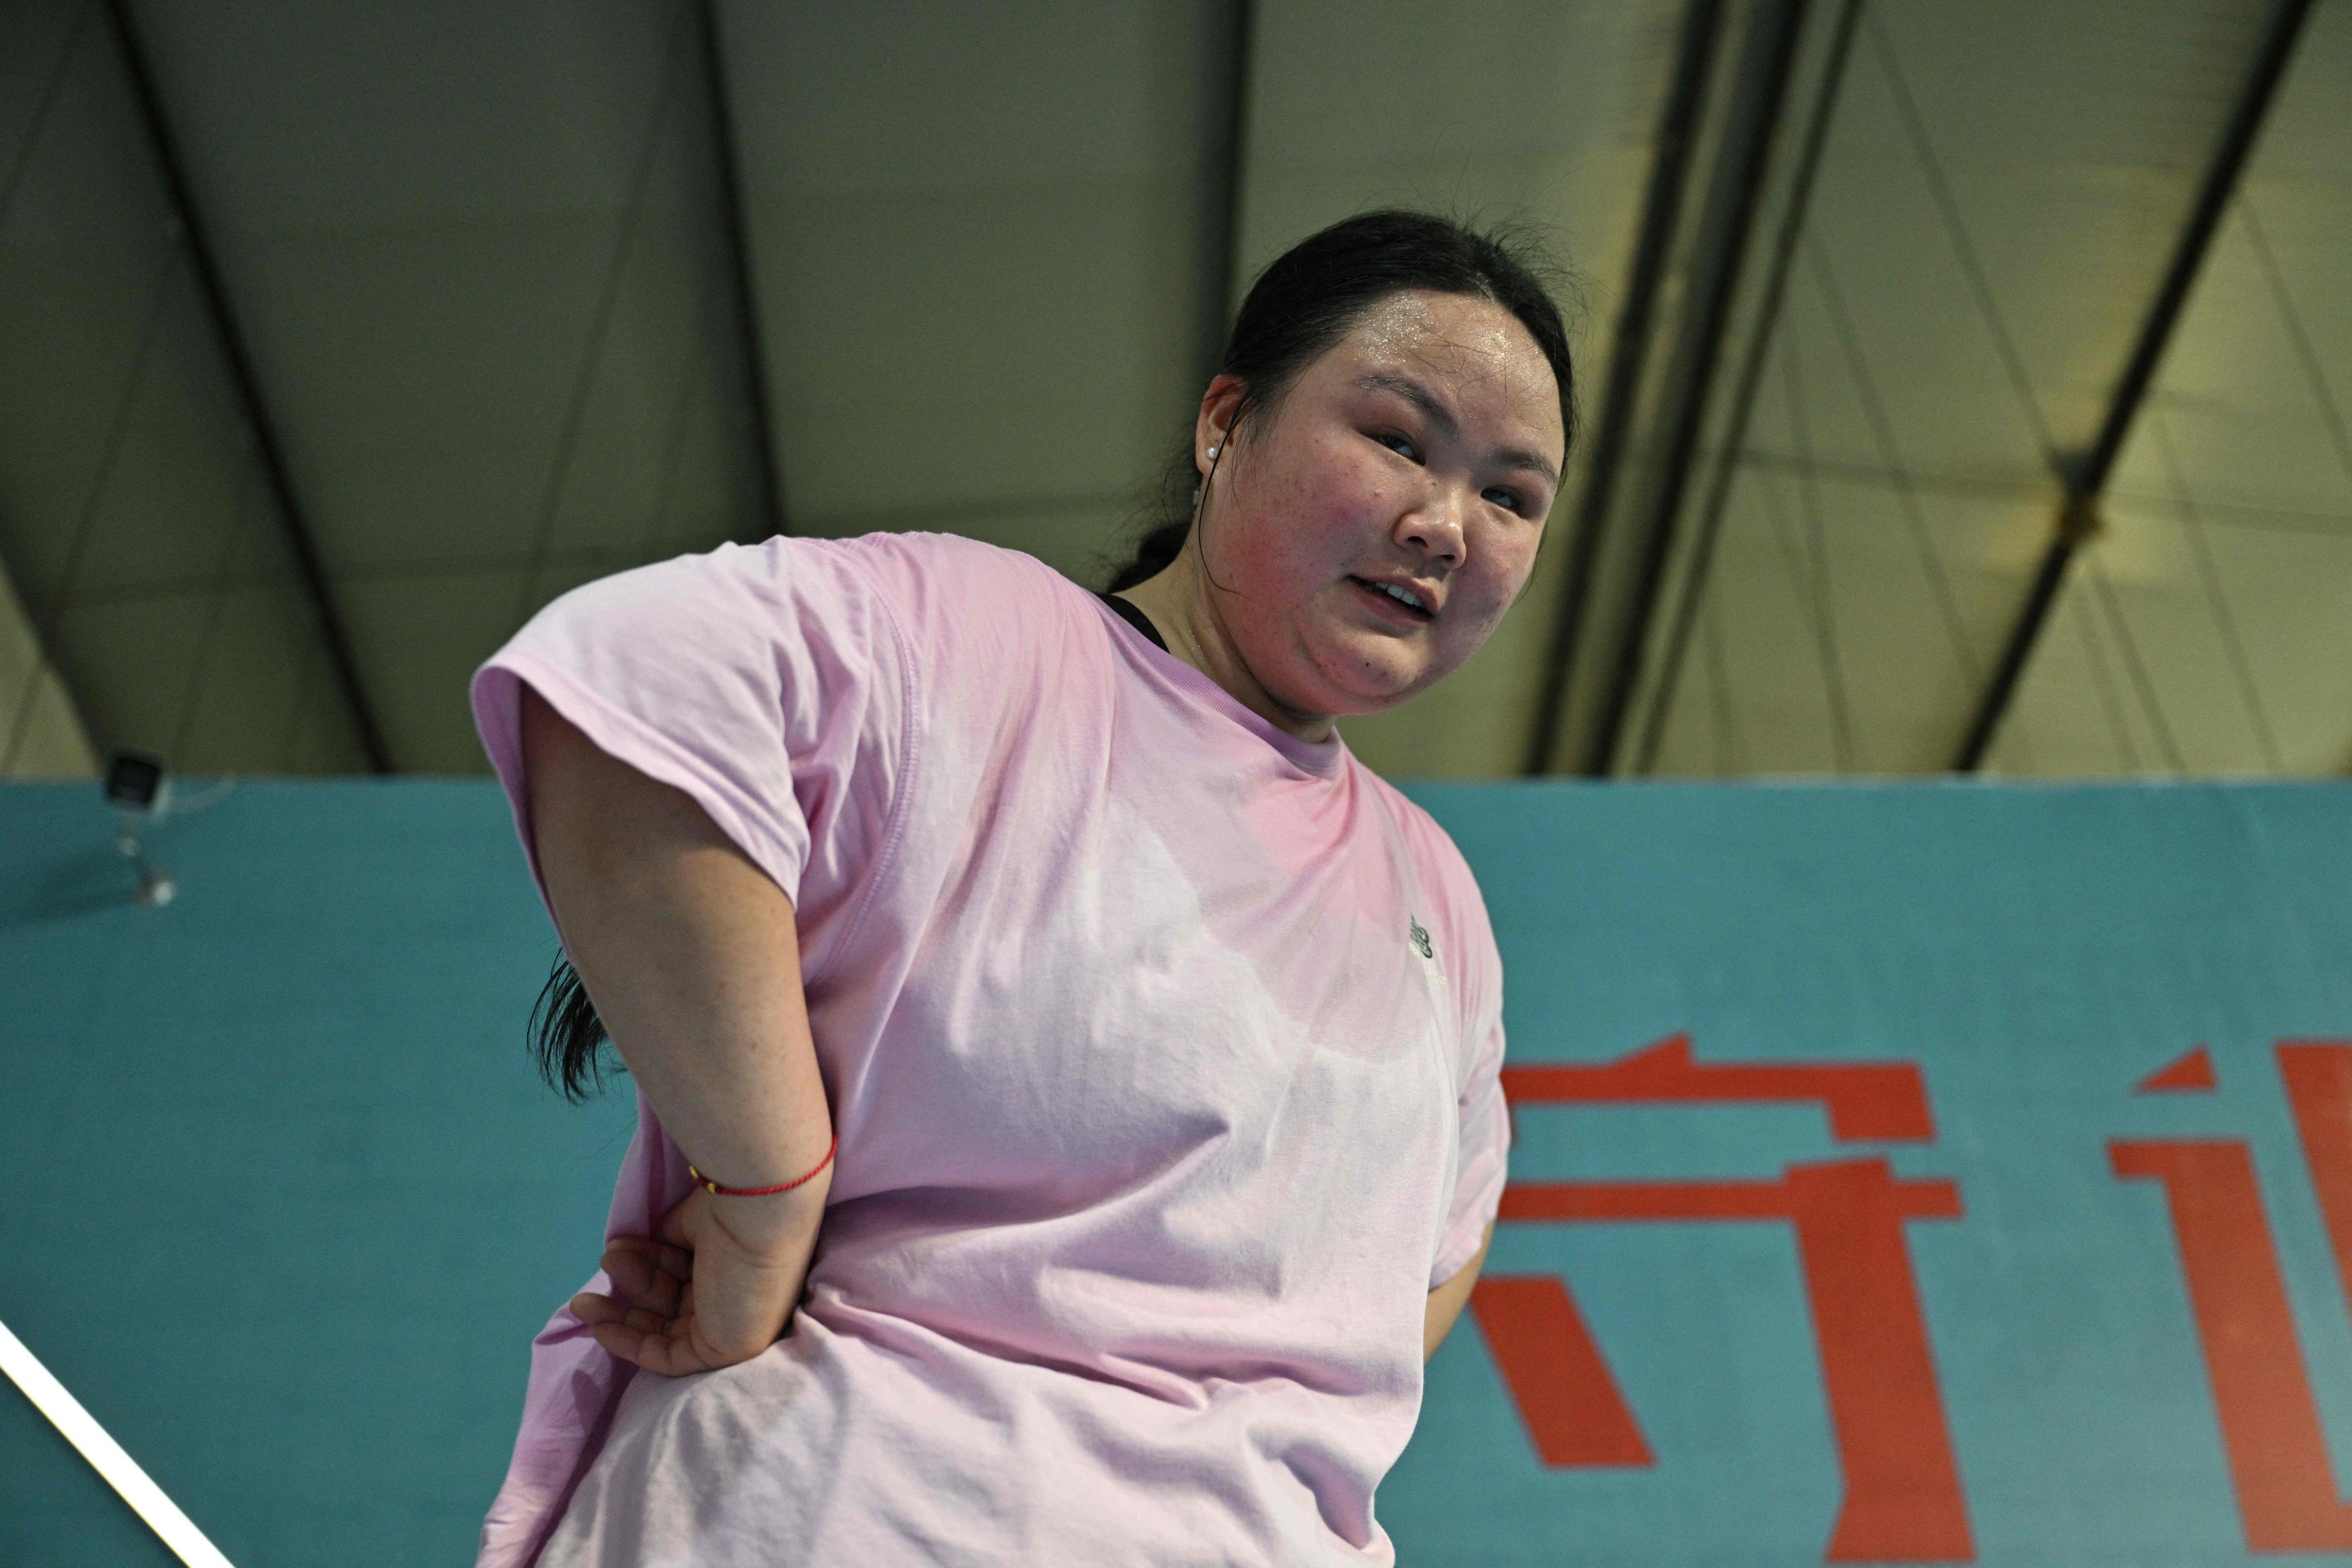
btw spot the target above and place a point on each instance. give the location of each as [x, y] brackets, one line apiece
[1743, 401]
[309, 570]
[1674, 143]
[2087, 479]
[1752, 127]
[773, 519]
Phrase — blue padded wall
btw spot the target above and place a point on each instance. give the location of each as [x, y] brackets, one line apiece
[282, 1203]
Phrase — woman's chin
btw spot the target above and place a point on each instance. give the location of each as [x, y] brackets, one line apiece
[1371, 690]
[1349, 675]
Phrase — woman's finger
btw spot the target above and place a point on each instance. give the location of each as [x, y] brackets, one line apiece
[630, 1270]
[622, 1341]
[638, 1269]
[591, 1309]
[669, 1355]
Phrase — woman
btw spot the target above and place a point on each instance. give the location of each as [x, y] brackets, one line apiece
[1111, 1058]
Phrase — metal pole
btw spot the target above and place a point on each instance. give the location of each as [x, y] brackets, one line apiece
[1628, 354]
[1751, 377]
[2078, 512]
[1767, 62]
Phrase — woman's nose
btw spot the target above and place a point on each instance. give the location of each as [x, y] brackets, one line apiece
[1435, 526]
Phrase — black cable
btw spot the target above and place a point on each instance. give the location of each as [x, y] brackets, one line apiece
[2224, 619]
[184, 223]
[1882, 430]
[134, 380]
[2313, 373]
[690, 381]
[2084, 475]
[1682, 107]
[45, 613]
[728, 180]
[295, 714]
[192, 693]
[2102, 681]
[1948, 208]
[15, 180]
[1751, 378]
[1844, 741]
[1729, 746]
[2260, 518]
[1966, 487]
[2134, 665]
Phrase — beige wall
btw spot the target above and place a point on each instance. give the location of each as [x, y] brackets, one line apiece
[40, 735]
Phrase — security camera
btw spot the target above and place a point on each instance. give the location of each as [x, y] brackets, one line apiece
[138, 782]
[138, 786]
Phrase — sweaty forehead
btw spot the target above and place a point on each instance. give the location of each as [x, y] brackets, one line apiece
[1481, 354]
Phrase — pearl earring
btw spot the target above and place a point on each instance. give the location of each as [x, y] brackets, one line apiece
[1212, 454]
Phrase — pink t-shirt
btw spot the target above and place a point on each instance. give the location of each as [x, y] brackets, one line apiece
[1163, 1050]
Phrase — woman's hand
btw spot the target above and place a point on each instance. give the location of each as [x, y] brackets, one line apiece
[715, 1285]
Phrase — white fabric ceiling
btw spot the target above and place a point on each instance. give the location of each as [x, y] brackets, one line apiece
[480, 261]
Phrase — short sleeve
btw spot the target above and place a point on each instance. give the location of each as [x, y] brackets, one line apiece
[1476, 974]
[768, 682]
[1486, 1150]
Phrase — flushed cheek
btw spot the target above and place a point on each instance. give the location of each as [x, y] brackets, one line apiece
[1304, 538]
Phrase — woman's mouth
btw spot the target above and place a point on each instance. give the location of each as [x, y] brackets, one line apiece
[1396, 601]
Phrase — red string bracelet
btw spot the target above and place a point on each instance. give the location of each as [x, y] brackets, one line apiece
[708, 1185]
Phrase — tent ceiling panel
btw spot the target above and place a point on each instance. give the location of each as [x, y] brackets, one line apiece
[244, 683]
[88, 278]
[41, 40]
[177, 428]
[1783, 706]
[1977, 261]
[439, 438]
[137, 655]
[431, 631]
[1982, 258]
[479, 264]
[981, 345]
[986, 302]
[424, 274]
[1537, 112]
[2071, 140]
[481, 261]
[129, 493]
[80, 329]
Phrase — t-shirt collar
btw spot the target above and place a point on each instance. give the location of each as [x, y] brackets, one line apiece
[1321, 758]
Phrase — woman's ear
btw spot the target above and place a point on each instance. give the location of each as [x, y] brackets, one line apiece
[1212, 428]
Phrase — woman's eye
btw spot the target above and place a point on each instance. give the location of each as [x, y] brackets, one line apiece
[1399, 445]
[1509, 501]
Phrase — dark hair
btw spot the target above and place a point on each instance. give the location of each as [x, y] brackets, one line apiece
[566, 1037]
[1315, 293]
[1309, 298]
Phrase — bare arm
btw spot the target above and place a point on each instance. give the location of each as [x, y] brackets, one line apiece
[1445, 1303]
[690, 953]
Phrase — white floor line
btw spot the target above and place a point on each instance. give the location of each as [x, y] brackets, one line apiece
[105, 1456]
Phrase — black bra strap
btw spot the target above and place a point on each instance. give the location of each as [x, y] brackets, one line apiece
[1134, 617]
